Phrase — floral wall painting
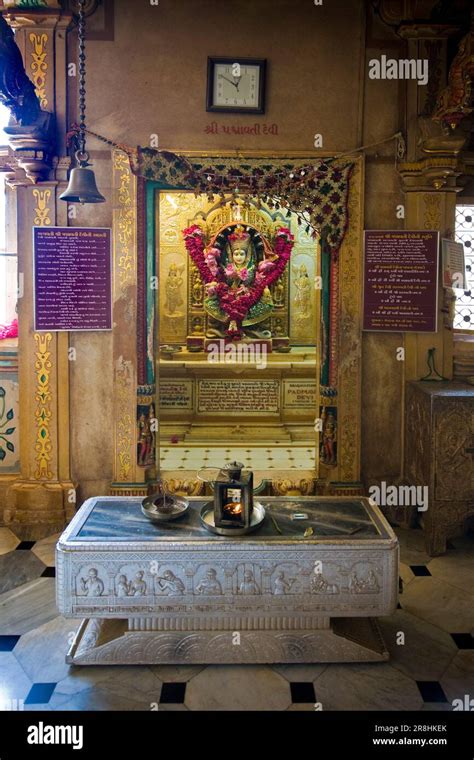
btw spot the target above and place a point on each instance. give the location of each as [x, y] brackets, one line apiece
[9, 432]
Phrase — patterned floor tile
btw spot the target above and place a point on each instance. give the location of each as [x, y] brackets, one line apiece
[8, 541]
[238, 687]
[455, 568]
[431, 691]
[173, 693]
[18, 567]
[172, 673]
[302, 692]
[439, 603]
[8, 643]
[40, 693]
[49, 572]
[406, 574]
[300, 672]
[101, 699]
[27, 607]
[463, 640]
[14, 683]
[426, 651]
[420, 571]
[45, 549]
[458, 678]
[108, 688]
[54, 637]
[368, 686]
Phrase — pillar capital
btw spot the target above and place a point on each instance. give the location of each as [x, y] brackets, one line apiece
[431, 174]
[427, 31]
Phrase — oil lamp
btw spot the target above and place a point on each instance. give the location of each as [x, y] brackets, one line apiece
[233, 497]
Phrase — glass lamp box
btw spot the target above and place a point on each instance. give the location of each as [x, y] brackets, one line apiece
[233, 497]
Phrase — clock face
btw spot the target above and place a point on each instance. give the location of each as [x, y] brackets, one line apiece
[236, 85]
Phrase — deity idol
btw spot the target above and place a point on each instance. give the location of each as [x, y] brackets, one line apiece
[237, 268]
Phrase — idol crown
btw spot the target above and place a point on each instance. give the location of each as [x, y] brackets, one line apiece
[239, 239]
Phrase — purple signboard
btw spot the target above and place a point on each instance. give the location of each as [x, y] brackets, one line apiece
[400, 280]
[72, 278]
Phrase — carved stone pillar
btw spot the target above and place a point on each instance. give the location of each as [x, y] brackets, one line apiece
[430, 205]
[429, 179]
[42, 498]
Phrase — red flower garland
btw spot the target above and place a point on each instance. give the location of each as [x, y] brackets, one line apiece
[235, 305]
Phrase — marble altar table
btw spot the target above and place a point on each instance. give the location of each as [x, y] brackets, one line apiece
[176, 593]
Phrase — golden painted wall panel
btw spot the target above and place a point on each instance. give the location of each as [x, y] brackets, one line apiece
[124, 319]
[350, 341]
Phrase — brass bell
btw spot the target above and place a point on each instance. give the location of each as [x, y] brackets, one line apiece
[82, 187]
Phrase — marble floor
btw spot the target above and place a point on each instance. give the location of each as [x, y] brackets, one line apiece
[431, 664]
[186, 457]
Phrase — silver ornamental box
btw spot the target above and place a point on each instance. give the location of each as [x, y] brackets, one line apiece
[179, 594]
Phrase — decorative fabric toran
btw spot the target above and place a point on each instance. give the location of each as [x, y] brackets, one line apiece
[316, 191]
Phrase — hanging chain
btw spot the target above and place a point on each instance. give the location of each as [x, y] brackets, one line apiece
[82, 80]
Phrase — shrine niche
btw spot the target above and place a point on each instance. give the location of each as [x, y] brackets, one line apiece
[230, 365]
[279, 388]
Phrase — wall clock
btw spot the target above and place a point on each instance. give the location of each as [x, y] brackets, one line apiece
[236, 85]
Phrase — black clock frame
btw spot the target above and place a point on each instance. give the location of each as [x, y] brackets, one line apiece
[211, 64]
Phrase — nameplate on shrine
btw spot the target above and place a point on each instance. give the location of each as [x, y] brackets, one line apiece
[176, 394]
[225, 396]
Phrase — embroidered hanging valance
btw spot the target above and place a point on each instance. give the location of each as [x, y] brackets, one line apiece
[316, 191]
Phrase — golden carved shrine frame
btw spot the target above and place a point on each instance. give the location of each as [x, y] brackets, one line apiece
[128, 219]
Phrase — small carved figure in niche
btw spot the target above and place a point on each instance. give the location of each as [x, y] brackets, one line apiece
[92, 585]
[138, 585]
[278, 293]
[197, 326]
[278, 327]
[152, 421]
[329, 439]
[319, 585]
[170, 584]
[282, 585]
[209, 584]
[123, 586]
[248, 585]
[145, 440]
[174, 282]
[302, 299]
[198, 291]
